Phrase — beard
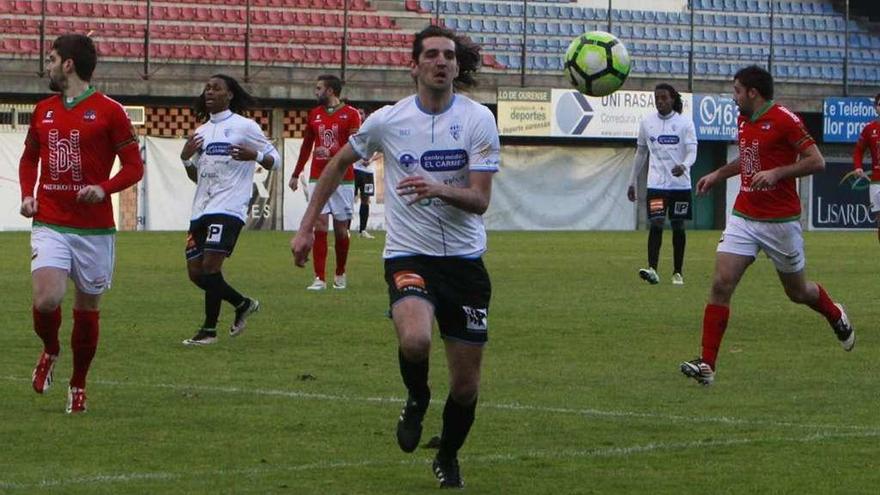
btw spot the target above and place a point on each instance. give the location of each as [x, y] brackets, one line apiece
[54, 85]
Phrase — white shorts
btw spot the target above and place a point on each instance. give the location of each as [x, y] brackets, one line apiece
[88, 259]
[783, 242]
[340, 203]
[874, 196]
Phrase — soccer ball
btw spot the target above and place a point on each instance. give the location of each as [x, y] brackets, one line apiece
[596, 63]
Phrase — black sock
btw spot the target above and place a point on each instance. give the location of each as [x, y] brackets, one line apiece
[364, 215]
[457, 421]
[679, 240]
[415, 377]
[213, 300]
[227, 293]
[655, 240]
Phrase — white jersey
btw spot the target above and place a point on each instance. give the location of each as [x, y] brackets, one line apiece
[443, 147]
[671, 141]
[364, 165]
[225, 185]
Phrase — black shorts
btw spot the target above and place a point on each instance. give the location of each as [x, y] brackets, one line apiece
[363, 183]
[459, 289]
[212, 233]
[676, 203]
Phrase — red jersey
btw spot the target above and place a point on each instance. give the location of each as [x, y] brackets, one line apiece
[328, 132]
[869, 139]
[773, 137]
[75, 146]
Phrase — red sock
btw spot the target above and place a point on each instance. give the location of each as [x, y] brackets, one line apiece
[826, 306]
[714, 324]
[342, 244]
[84, 341]
[319, 254]
[46, 326]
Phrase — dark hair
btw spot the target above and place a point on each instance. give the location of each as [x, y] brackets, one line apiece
[758, 78]
[877, 99]
[80, 49]
[240, 103]
[333, 82]
[677, 105]
[466, 52]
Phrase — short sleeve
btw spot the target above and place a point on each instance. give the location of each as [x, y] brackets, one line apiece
[642, 140]
[368, 139]
[796, 133]
[485, 149]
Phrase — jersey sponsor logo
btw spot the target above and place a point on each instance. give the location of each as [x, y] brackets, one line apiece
[444, 160]
[477, 318]
[667, 139]
[455, 130]
[218, 149]
[749, 162]
[407, 161]
[403, 132]
[215, 233]
[766, 126]
[408, 280]
[90, 116]
[65, 156]
[49, 117]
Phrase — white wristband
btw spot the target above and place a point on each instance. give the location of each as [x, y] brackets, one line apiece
[260, 156]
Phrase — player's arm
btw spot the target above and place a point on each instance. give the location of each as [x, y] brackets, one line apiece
[305, 151]
[690, 152]
[190, 155]
[858, 154]
[263, 152]
[28, 168]
[638, 164]
[330, 178]
[709, 180]
[473, 199]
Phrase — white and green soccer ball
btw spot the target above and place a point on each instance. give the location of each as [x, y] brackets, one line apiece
[596, 63]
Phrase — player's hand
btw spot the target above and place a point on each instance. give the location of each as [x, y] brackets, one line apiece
[242, 154]
[677, 171]
[765, 179]
[294, 183]
[631, 193]
[859, 173]
[706, 183]
[193, 144]
[301, 246]
[416, 188]
[28, 207]
[91, 194]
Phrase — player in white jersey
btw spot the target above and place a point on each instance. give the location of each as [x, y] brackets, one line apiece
[441, 150]
[220, 159]
[364, 188]
[668, 142]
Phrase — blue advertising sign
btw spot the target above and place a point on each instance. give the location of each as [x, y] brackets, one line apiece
[715, 117]
[844, 118]
[838, 201]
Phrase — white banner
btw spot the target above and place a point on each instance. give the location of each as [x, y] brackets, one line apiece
[562, 188]
[166, 202]
[11, 147]
[614, 116]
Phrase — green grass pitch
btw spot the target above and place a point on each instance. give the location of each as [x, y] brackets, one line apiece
[581, 389]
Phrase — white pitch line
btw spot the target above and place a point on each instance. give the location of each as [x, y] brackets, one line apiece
[488, 405]
[488, 459]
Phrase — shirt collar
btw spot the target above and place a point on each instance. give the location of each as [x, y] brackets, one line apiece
[221, 116]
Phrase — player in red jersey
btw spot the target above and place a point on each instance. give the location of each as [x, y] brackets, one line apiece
[774, 149]
[73, 140]
[870, 140]
[328, 128]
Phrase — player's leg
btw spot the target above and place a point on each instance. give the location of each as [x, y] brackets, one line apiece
[341, 209]
[785, 247]
[679, 211]
[50, 266]
[463, 318]
[364, 216]
[656, 205]
[736, 251]
[94, 257]
[319, 251]
[412, 311]
[874, 197]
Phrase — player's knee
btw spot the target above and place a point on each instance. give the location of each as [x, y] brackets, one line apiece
[722, 289]
[677, 225]
[464, 390]
[657, 223]
[797, 295]
[415, 347]
[46, 303]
